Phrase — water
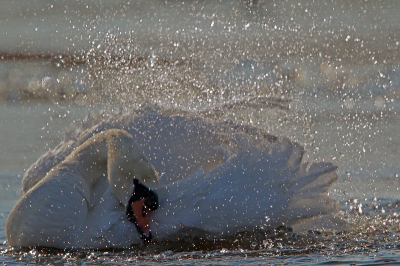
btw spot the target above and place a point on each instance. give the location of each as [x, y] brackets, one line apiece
[325, 74]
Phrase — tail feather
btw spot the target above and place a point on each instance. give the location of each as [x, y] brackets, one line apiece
[325, 176]
[309, 196]
[293, 163]
[304, 185]
[311, 207]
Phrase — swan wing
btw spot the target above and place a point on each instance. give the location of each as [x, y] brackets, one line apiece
[262, 183]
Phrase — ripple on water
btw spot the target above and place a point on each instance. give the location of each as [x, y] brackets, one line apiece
[373, 240]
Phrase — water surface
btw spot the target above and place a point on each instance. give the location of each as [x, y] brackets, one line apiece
[324, 74]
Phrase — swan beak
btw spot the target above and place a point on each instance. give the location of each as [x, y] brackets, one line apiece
[142, 201]
[141, 213]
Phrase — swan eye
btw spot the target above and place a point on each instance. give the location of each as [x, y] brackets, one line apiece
[152, 202]
[144, 210]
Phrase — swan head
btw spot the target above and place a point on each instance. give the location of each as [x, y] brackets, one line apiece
[142, 201]
[132, 179]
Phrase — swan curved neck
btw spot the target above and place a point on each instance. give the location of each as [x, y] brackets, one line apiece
[90, 159]
[114, 151]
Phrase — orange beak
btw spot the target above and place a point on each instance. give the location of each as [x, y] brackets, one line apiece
[141, 213]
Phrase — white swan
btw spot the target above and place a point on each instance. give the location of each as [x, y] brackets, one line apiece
[215, 180]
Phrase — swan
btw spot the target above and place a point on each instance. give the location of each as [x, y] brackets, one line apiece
[208, 179]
